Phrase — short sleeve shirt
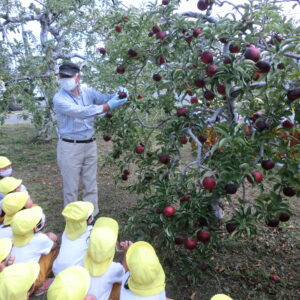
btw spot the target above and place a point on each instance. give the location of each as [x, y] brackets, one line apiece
[39, 245]
[101, 286]
[71, 253]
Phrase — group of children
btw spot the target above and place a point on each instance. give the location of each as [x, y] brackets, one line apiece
[82, 268]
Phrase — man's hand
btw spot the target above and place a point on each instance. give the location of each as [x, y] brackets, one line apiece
[115, 102]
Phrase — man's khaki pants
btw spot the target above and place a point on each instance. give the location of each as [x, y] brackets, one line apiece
[78, 161]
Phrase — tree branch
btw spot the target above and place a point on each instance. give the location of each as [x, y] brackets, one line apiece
[196, 15]
[236, 90]
[20, 19]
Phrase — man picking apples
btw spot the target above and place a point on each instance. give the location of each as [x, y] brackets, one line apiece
[76, 108]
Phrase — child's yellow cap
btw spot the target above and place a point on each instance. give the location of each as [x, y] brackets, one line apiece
[70, 284]
[4, 162]
[5, 248]
[23, 223]
[76, 215]
[102, 246]
[147, 277]
[9, 184]
[221, 297]
[17, 279]
[12, 203]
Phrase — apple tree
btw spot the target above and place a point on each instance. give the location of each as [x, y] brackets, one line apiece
[213, 115]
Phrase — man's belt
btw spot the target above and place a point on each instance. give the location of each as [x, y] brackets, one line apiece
[79, 141]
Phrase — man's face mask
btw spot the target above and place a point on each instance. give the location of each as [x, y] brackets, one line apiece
[68, 84]
[6, 172]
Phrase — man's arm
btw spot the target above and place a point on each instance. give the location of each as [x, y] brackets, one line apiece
[99, 98]
[62, 105]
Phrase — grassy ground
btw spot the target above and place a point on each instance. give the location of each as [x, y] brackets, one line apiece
[240, 268]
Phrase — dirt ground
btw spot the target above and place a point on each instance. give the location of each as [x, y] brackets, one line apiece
[240, 268]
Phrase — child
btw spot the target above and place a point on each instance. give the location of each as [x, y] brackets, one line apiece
[72, 283]
[11, 204]
[5, 167]
[75, 238]
[99, 260]
[5, 250]
[32, 245]
[9, 185]
[146, 278]
[16, 280]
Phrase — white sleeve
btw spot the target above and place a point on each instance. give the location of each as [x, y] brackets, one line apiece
[118, 273]
[43, 244]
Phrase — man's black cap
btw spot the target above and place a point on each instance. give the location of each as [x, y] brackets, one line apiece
[68, 69]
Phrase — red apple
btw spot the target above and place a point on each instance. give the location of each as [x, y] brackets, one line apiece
[223, 40]
[284, 217]
[185, 198]
[189, 39]
[155, 29]
[122, 95]
[268, 164]
[230, 188]
[227, 60]
[107, 138]
[164, 159]
[211, 70]
[275, 278]
[272, 222]
[234, 48]
[203, 236]
[200, 82]
[161, 60]
[252, 53]
[183, 140]
[287, 124]
[157, 77]
[221, 89]
[231, 226]
[126, 172]
[209, 95]
[139, 149]
[109, 115]
[289, 191]
[118, 28]
[261, 125]
[263, 66]
[280, 66]
[120, 69]
[160, 35]
[190, 244]
[209, 183]
[206, 57]
[293, 94]
[202, 138]
[132, 53]
[139, 97]
[102, 51]
[124, 177]
[196, 32]
[165, 2]
[194, 100]
[181, 112]
[169, 211]
[204, 4]
[179, 240]
[257, 176]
